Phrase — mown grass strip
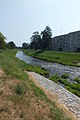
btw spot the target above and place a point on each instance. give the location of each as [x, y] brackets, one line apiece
[65, 58]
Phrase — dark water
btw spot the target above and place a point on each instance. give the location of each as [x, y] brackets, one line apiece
[53, 68]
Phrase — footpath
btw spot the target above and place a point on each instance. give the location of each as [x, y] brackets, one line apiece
[63, 97]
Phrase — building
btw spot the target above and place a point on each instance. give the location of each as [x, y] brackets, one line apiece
[67, 43]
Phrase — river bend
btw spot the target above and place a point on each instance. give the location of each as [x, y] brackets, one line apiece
[53, 68]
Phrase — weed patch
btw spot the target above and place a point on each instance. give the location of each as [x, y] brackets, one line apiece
[65, 75]
[74, 87]
[77, 80]
[20, 89]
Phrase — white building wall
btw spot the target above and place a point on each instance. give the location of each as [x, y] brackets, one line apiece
[69, 42]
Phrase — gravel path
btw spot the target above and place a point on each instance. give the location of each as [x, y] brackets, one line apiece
[71, 101]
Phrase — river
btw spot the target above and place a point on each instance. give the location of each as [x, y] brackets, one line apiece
[53, 68]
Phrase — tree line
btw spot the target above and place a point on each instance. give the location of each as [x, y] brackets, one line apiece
[4, 45]
[42, 41]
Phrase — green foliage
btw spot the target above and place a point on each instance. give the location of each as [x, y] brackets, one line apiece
[42, 41]
[35, 41]
[11, 45]
[74, 87]
[65, 75]
[2, 41]
[11, 65]
[25, 46]
[77, 80]
[15, 68]
[58, 79]
[55, 78]
[74, 91]
[46, 41]
[28, 67]
[20, 89]
[64, 82]
[65, 58]
[38, 92]
[32, 53]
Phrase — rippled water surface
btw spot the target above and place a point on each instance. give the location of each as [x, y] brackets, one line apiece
[53, 68]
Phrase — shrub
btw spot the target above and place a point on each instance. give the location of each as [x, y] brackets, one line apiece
[65, 75]
[75, 86]
[77, 80]
[76, 92]
[55, 78]
[64, 81]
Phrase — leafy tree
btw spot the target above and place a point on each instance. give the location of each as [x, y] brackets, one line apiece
[2, 41]
[25, 45]
[42, 41]
[11, 45]
[35, 41]
[46, 38]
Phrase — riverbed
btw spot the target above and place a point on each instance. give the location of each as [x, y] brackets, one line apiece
[53, 68]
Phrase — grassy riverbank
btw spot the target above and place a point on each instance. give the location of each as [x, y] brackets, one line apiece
[20, 98]
[24, 65]
[65, 58]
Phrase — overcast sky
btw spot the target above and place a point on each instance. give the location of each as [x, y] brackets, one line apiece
[20, 18]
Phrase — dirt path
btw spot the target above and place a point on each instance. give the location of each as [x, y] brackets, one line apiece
[64, 99]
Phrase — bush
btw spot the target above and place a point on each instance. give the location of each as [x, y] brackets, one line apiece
[75, 86]
[76, 92]
[77, 80]
[64, 82]
[55, 78]
[65, 75]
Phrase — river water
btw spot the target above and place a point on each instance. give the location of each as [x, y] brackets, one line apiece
[53, 68]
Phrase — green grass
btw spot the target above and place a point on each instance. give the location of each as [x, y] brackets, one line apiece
[15, 70]
[31, 94]
[65, 75]
[74, 87]
[10, 64]
[74, 91]
[55, 78]
[77, 80]
[36, 69]
[65, 58]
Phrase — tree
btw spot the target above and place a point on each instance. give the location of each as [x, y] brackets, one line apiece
[46, 38]
[25, 45]
[35, 41]
[11, 45]
[2, 41]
